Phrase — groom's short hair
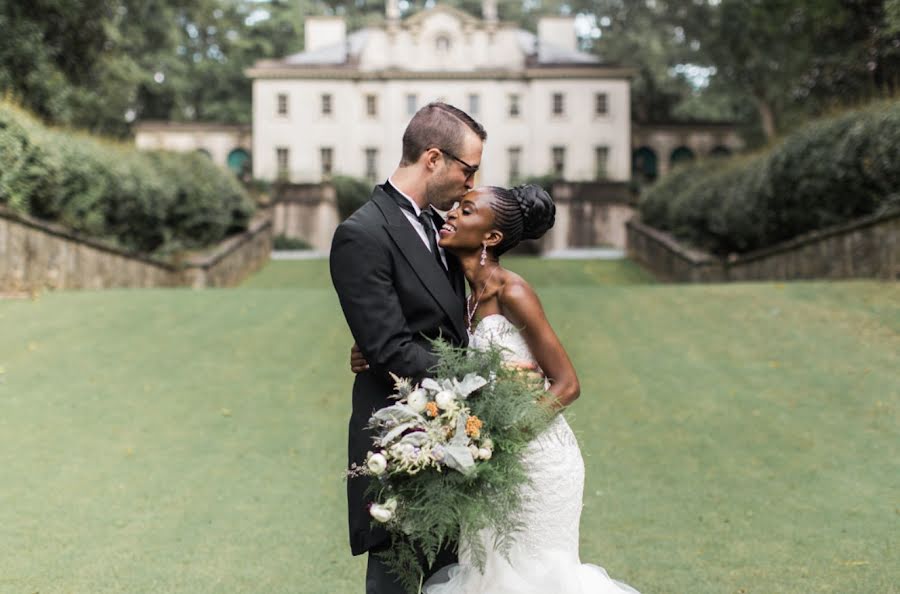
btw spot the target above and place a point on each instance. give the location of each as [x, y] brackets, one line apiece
[437, 125]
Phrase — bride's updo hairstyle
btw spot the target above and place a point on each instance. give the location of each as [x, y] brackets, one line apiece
[523, 212]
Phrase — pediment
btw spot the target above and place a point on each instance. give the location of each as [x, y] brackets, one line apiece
[463, 17]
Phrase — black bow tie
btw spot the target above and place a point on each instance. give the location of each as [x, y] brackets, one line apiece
[429, 219]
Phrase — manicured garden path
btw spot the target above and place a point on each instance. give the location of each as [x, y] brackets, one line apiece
[738, 438]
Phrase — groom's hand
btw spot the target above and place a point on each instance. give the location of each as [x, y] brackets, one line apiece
[358, 363]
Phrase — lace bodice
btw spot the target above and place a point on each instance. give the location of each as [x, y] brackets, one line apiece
[496, 329]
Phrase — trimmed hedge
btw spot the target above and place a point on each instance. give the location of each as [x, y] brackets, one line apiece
[142, 201]
[351, 193]
[832, 171]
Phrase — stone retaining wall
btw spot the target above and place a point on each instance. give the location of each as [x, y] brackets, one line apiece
[589, 214]
[37, 255]
[308, 212]
[866, 248]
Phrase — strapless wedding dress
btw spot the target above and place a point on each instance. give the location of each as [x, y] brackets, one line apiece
[544, 557]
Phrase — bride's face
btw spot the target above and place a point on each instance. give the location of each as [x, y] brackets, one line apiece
[470, 224]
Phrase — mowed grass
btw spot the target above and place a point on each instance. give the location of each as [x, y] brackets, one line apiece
[737, 438]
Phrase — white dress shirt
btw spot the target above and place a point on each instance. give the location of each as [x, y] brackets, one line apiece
[417, 224]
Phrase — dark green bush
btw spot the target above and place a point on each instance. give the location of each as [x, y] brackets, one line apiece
[545, 181]
[351, 193]
[282, 242]
[146, 202]
[830, 172]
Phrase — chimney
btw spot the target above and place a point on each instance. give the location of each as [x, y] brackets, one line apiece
[489, 11]
[322, 31]
[558, 31]
[392, 10]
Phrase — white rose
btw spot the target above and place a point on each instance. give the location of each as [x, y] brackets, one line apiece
[484, 453]
[487, 443]
[473, 449]
[417, 400]
[445, 399]
[381, 513]
[377, 464]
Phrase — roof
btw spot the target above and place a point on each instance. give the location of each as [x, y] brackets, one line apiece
[346, 55]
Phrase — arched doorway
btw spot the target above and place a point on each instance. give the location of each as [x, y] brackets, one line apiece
[680, 156]
[239, 162]
[720, 151]
[644, 164]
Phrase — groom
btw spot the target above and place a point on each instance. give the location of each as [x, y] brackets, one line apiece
[398, 289]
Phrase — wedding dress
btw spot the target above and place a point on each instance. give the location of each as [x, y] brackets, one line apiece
[544, 556]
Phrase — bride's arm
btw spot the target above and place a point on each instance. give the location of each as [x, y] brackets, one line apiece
[520, 304]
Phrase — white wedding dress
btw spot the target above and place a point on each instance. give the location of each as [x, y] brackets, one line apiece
[544, 556]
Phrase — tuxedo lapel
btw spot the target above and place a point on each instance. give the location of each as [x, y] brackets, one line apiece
[421, 260]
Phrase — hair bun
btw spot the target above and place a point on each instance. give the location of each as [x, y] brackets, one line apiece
[538, 210]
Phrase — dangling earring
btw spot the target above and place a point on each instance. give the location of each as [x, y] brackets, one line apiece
[483, 254]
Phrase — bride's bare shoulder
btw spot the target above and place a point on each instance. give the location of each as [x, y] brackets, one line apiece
[517, 298]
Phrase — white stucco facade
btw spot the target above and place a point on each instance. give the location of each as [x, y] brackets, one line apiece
[228, 145]
[320, 99]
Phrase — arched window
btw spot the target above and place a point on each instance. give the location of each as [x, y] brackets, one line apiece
[681, 155]
[239, 162]
[720, 151]
[643, 164]
[204, 152]
[443, 44]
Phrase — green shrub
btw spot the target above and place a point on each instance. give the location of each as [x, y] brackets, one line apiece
[282, 242]
[146, 202]
[545, 181]
[351, 193]
[831, 171]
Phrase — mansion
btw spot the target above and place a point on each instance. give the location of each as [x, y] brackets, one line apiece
[341, 105]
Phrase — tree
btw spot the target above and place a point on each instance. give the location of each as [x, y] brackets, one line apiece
[792, 60]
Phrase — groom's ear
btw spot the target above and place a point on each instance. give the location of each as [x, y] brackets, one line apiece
[431, 157]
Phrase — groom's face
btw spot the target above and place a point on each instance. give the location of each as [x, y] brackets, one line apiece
[455, 176]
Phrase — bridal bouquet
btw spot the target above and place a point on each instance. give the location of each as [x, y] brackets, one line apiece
[446, 458]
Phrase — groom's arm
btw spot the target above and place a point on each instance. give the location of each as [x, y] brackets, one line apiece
[362, 274]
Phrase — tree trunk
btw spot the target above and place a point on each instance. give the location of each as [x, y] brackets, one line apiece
[766, 117]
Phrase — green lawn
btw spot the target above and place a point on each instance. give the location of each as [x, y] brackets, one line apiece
[738, 438]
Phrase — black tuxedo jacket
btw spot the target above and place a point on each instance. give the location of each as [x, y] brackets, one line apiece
[395, 296]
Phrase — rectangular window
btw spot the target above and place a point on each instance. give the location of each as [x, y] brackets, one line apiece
[601, 107]
[327, 154]
[515, 165]
[372, 164]
[473, 104]
[559, 161]
[282, 104]
[601, 161]
[326, 104]
[559, 105]
[371, 106]
[281, 159]
[514, 106]
[412, 102]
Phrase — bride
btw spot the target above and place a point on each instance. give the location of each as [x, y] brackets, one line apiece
[544, 557]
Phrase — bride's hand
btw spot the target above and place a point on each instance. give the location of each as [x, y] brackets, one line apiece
[358, 363]
[530, 371]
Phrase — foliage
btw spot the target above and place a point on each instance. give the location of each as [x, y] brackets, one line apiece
[829, 172]
[351, 193]
[282, 242]
[793, 60]
[438, 506]
[545, 181]
[145, 202]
